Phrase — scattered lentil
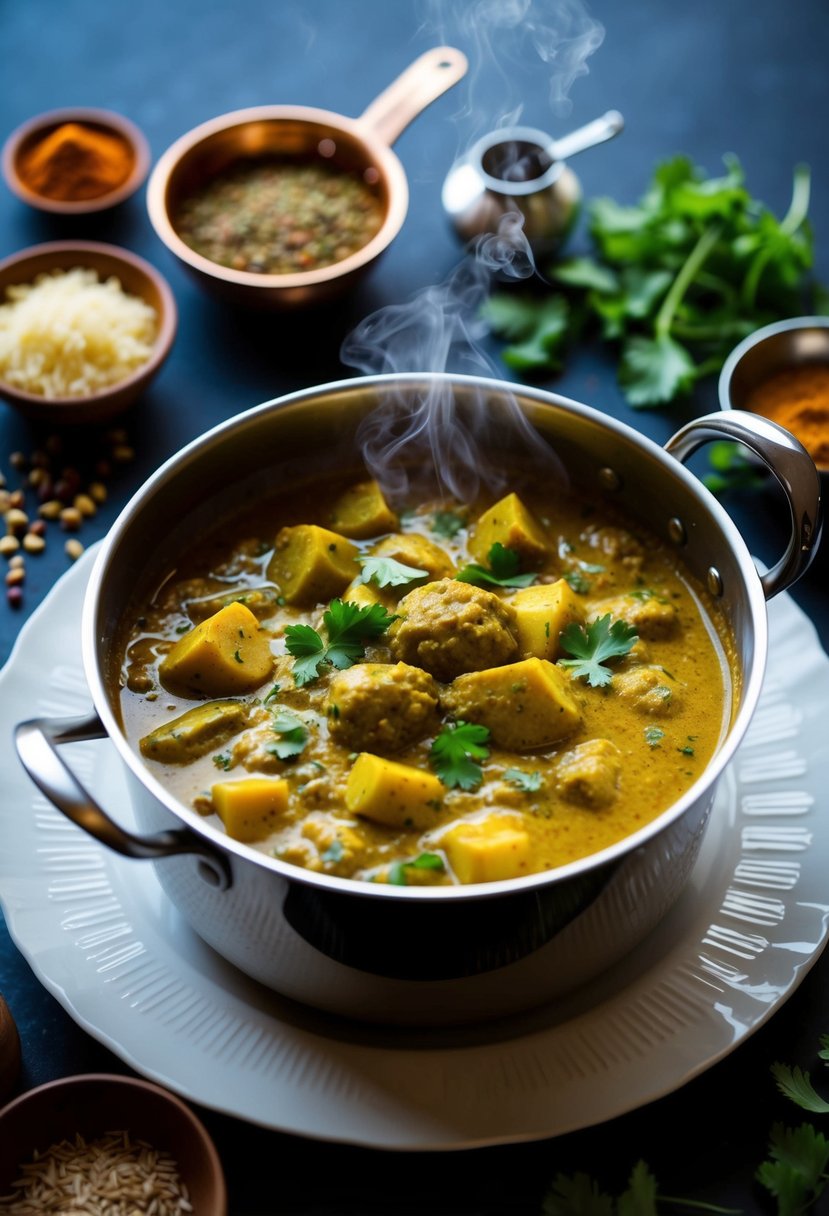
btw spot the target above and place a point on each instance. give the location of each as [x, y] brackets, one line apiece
[73, 548]
[13, 577]
[8, 545]
[84, 504]
[16, 561]
[33, 543]
[16, 520]
[50, 509]
[70, 519]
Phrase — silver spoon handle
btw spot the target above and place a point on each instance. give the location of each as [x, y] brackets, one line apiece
[596, 132]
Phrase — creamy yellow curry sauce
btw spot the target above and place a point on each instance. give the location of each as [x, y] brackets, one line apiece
[320, 681]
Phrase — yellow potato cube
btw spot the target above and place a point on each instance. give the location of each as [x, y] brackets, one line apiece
[525, 705]
[226, 654]
[391, 793]
[542, 613]
[487, 850]
[195, 733]
[366, 594]
[362, 511]
[417, 551]
[512, 525]
[250, 809]
[311, 564]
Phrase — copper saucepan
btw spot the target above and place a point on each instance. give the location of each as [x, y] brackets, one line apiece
[357, 145]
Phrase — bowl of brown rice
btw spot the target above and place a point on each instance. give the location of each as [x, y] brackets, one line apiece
[100, 1142]
[84, 328]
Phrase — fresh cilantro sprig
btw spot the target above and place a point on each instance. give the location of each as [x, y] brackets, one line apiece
[581, 1195]
[386, 572]
[594, 646]
[348, 628]
[676, 281]
[504, 567]
[455, 753]
[292, 735]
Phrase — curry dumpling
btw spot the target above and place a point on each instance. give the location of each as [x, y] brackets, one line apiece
[195, 733]
[223, 656]
[448, 628]
[381, 706]
[488, 849]
[653, 616]
[362, 512]
[250, 809]
[542, 612]
[524, 705]
[311, 564]
[509, 523]
[393, 794]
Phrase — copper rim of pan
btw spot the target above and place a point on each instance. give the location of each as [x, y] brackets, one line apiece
[371, 135]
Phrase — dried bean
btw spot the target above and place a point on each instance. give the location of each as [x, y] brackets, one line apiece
[9, 544]
[15, 596]
[73, 548]
[33, 543]
[70, 519]
[16, 520]
[37, 528]
[84, 504]
[50, 509]
[16, 576]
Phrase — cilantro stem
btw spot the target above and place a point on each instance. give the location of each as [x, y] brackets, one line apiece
[799, 206]
[683, 280]
[700, 1206]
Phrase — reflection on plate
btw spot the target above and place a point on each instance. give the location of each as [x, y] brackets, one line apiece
[100, 934]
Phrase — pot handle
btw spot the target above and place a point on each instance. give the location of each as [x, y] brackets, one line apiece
[415, 89]
[790, 463]
[37, 741]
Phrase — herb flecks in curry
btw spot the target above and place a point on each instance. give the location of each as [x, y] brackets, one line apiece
[344, 701]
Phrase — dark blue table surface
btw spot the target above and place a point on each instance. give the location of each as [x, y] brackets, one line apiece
[707, 78]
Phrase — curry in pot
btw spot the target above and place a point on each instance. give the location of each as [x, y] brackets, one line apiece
[451, 694]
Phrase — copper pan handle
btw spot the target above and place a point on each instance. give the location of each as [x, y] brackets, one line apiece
[790, 463]
[416, 88]
[37, 742]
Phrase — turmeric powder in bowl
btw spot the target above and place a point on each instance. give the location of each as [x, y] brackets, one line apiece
[797, 398]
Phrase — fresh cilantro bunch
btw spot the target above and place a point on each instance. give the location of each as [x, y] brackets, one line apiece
[504, 567]
[676, 280]
[455, 753]
[348, 628]
[592, 647]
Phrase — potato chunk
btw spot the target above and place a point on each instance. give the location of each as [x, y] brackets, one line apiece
[525, 705]
[418, 551]
[589, 774]
[224, 655]
[366, 594]
[195, 733]
[542, 613]
[394, 794]
[362, 511]
[512, 525]
[487, 850]
[250, 809]
[311, 564]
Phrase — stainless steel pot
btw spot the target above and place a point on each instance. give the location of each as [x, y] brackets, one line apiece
[420, 954]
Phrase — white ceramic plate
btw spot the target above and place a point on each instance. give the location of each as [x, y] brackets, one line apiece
[100, 934]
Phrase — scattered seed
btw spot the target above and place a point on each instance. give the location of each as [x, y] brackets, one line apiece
[123, 453]
[4, 501]
[38, 527]
[37, 476]
[15, 596]
[17, 498]
[9, 545]
[50, 509]
[97, 491]
[13, 577]
[16, 561]
[73, 548]
[85, 505]
[70, 519]
[33, 543]
[16, 520]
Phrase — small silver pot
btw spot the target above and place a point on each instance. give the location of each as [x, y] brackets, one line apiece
[419, 954]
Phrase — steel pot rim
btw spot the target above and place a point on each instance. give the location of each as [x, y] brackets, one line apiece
[750, 686]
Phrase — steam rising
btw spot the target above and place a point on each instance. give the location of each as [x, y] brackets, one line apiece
[448, 446]
[447, 441]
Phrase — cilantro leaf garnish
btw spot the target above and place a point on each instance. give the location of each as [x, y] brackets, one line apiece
[654, 735]
[223, 760]
[796, 1084]
[292, 732]
[348, 627]
[455, 752]
[593, 646]
[504, 566]
[424, 861]
[528, 783]
[447, 524]
[795, 1171]
[386, 572]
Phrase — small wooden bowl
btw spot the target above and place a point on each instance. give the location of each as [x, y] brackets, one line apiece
[138, 278]
[30, 133]
[96, 1103]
